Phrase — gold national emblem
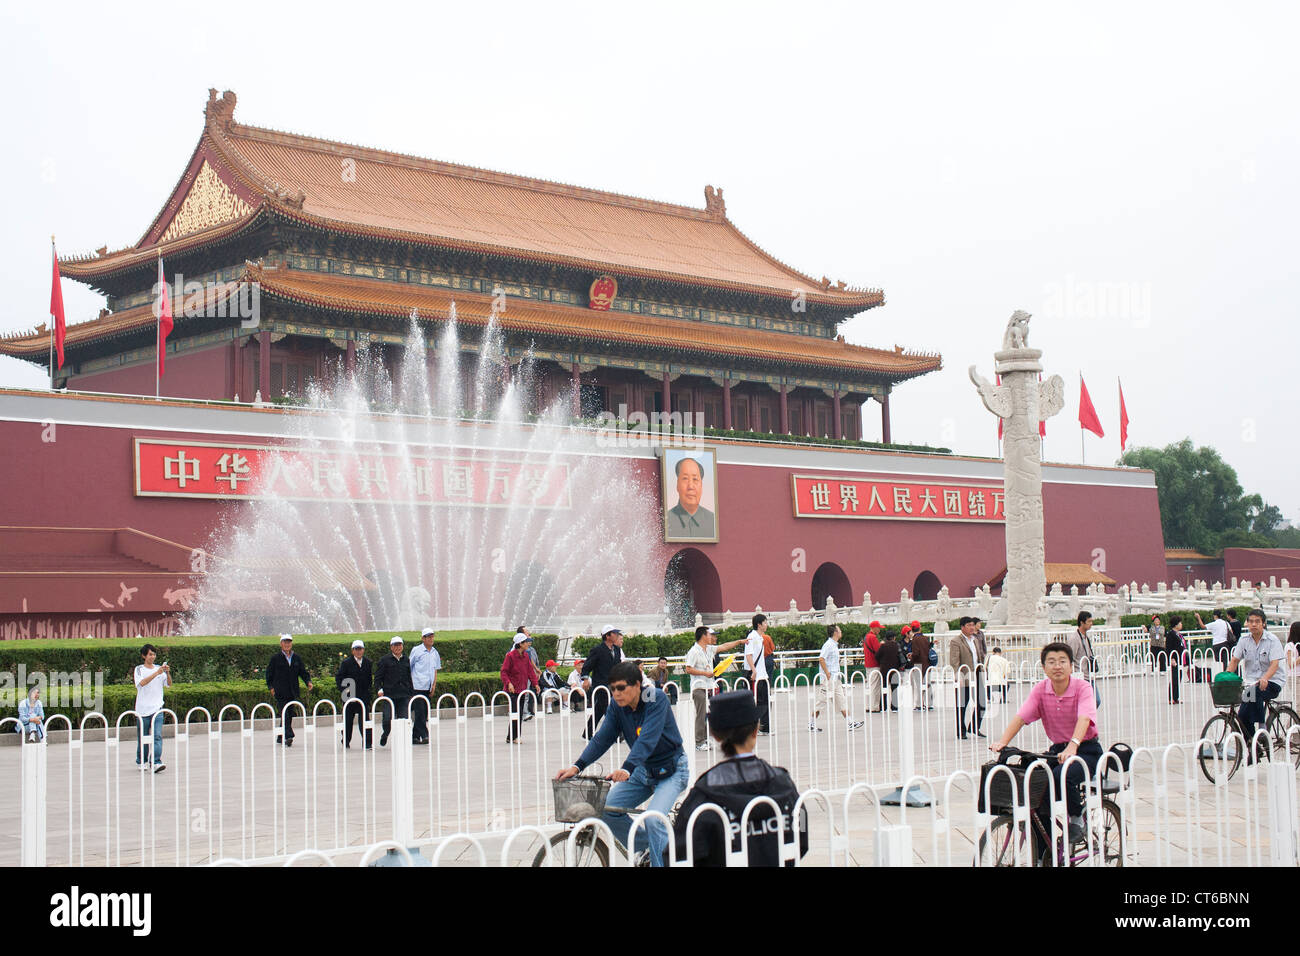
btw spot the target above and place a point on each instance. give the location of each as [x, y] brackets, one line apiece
[603, 291]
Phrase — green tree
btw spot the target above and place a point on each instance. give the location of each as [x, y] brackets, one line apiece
[1201, 499]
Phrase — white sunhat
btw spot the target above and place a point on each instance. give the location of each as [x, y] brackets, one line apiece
[520, 638]
[610, 629]
[356, 644]
[427, 631]
[396, 640]
[285, 637]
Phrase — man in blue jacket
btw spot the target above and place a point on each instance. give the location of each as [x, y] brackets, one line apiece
[656, 767]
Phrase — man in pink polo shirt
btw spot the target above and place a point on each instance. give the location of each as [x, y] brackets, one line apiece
[1065, 705]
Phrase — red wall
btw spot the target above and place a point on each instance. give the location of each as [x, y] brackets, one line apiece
[1259, 564]
[84, 479]
[202, 374]
[759, 533]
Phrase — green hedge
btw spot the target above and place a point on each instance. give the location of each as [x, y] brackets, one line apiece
[208, 659]
[120, 698]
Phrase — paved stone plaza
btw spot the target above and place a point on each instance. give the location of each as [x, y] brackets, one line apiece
[218, 796]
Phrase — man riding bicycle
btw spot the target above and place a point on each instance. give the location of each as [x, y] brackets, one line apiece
[1263, 669]
[656, 765]
[1065, 705]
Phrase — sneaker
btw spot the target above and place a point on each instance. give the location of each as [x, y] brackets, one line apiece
[854, 724]
[528, 716]
[160, 768]
[31, 738]
[703, 747]
[142, 766]
[812, 727]
[765, 733]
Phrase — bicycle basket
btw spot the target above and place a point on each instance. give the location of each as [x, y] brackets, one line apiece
[579, 798]
[1001, 798]
[1226, 692]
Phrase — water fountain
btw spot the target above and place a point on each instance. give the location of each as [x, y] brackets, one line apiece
[433, 512]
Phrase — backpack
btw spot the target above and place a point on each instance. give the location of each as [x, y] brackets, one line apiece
[934, 657]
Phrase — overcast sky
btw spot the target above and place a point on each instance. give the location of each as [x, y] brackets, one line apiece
[1126, 172]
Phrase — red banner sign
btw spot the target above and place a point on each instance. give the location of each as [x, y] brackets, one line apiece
[202, 470]
[816, 496]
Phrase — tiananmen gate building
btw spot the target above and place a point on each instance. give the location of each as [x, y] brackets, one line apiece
[292, 256]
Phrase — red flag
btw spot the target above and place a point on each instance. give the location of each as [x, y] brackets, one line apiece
[1123, 419]
[56, 306]
[164, 312]
[1087, 414]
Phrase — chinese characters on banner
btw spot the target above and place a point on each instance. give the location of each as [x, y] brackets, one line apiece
[817, 496]
[201, 470]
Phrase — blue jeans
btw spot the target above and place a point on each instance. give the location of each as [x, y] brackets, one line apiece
[1254, 712]
[663, 796]
[141, 733]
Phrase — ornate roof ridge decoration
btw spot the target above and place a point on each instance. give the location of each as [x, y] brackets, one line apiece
[445, 205]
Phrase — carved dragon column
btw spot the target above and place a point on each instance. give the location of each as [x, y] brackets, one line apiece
[1022, 401]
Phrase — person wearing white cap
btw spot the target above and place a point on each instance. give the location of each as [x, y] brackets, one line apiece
[700, 664]
[518, 675]
[595, 673]
[393, 681]
[354, 683]
[282, 675]
[425, 664]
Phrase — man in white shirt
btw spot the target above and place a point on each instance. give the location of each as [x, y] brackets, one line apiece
[150, 679]
[699, 665]
[425, 664]
[757, 668]
[1219, 630]
[831, 687]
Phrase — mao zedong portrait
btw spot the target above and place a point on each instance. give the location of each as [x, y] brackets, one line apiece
[688, 519]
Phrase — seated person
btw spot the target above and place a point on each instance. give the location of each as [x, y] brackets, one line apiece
[577, 699]
[662, 677]
[552, 685]
[731, 784]
[1065, 705]
[31, 716]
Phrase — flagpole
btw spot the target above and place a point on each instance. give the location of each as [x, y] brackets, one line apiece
[1083, 452]
[56, 259]
[157, 335]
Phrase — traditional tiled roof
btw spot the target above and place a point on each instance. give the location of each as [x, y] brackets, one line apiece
[1064, 574]
[344, 188]
[1186, 554]
[377, 297]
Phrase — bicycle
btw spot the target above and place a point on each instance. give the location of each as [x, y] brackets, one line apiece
[1006, 840]
[581, 798]
[1219, 749]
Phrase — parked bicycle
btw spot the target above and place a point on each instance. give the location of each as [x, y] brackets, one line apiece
[1008, 841]
[1224, 738]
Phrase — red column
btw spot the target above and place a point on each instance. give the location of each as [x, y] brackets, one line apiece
[884, 420]
[350, 357]
[857, 418]
[668, 394]
[837, 428]
[726, 403]
[233, 380]
[264, 364]
[753, 412]
[577, 392]
[809, 415]
[785, 412]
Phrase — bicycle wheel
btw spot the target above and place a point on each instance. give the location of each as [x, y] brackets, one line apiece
[1003, 843]
[591, 850]
[1110, 842]
[1220, 751]
[1284, 733]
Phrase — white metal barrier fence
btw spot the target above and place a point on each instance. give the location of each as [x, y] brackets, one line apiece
[230, 792]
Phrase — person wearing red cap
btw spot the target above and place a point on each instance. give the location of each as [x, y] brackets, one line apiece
[552, 687]
[871, 644]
